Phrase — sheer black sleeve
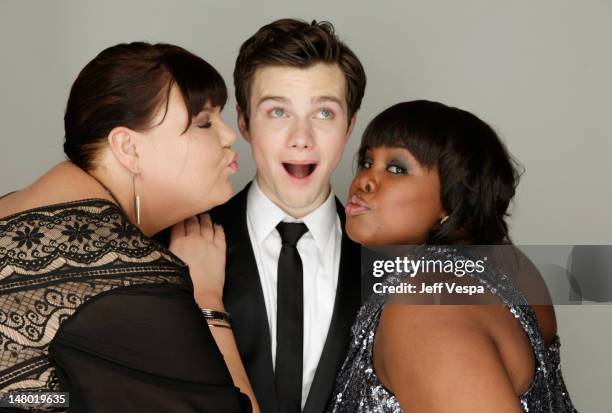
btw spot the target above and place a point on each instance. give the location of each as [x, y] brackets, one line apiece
[160, 358]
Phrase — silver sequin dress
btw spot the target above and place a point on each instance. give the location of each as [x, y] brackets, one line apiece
[358, 388]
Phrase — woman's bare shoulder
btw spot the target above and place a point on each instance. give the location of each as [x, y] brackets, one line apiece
[422, 353]
[64, 182]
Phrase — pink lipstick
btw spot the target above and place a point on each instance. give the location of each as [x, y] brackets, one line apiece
[356, 206]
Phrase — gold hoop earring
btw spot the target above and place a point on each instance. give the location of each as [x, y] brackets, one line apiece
[136, 200]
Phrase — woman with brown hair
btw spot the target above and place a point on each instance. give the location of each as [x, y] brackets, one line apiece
[89, 303]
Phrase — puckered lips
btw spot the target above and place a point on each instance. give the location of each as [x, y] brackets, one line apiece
[233, 164]
[300, 171]
[356, 206]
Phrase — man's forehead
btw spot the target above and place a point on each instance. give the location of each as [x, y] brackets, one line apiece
[317, 83]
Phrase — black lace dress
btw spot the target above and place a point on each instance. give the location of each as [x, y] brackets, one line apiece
[91, 306]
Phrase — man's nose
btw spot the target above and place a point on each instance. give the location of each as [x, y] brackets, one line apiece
[302, 135]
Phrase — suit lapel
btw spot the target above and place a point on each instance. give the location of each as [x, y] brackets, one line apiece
[347, 302]
[243, 298]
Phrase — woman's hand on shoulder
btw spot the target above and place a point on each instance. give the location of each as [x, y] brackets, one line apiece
[440, 358]
[201, 245]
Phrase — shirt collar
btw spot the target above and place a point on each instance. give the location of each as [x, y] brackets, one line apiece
[320, 222]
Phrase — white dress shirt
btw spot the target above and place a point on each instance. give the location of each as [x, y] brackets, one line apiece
[319, 249]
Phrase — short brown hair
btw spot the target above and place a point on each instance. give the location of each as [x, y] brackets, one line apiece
[125, 85]
[295, 43]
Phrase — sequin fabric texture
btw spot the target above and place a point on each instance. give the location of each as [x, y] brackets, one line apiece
[358, 389]
[53, 260]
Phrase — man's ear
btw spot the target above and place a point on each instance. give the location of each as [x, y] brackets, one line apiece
[242, 124]
[122, 143]
[351, 126]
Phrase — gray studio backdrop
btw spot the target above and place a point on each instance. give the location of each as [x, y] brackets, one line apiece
[538, 71]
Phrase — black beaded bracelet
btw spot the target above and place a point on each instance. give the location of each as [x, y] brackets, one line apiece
[216, 315]
[219, 325]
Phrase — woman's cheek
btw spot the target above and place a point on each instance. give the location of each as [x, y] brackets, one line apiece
[214, 157]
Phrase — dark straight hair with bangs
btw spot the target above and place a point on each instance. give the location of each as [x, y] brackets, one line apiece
[478, 176]
[126, 85]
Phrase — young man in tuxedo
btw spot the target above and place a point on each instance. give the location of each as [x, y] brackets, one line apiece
[292, 278]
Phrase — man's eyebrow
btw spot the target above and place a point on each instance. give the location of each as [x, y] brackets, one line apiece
[273, 98]
[323, 99]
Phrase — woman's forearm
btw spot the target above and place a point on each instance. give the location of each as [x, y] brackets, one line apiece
[224, 337]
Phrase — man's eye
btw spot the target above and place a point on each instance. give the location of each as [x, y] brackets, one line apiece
[277, 112]
[397, 170]
[205, 125]
[325, 114]
[364, 164]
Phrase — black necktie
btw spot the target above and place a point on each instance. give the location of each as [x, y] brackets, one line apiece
[289, 320]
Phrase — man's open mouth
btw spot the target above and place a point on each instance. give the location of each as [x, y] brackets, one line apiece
[300, 171]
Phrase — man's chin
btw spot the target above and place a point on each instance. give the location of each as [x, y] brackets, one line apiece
[295, 203]
[299, 199]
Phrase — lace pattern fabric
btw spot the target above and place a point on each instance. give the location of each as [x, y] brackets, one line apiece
[358, 388]
[54, 259]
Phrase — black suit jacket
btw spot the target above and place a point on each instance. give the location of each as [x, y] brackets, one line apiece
[243, 298]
